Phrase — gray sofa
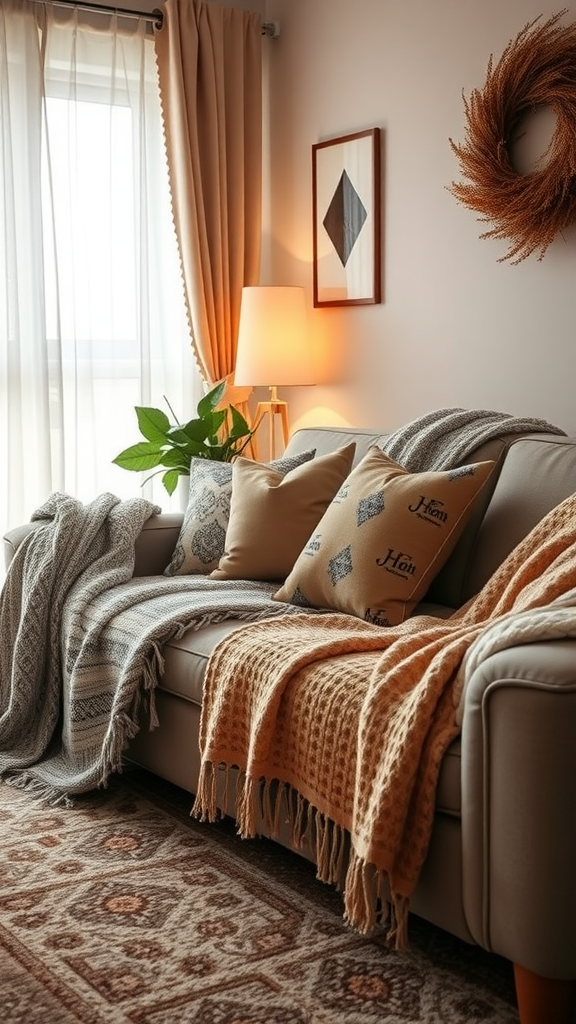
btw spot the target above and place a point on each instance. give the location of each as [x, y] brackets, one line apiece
[501, 866]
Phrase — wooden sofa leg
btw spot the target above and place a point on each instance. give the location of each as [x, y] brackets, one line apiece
[544, 1000]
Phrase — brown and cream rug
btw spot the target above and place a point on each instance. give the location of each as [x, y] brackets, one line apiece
[123, 910]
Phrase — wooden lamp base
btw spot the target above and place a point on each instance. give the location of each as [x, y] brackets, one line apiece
[272, 409]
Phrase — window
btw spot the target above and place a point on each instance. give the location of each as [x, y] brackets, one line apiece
[96, 319]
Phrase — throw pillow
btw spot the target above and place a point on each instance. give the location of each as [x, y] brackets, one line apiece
[200, 544]
[272, 516]
[383, 539]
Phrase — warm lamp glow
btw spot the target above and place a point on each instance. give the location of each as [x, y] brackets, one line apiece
[273, 348]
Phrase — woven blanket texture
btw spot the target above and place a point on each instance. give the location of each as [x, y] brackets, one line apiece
[355, 720]
[80, 641]
[443, 438]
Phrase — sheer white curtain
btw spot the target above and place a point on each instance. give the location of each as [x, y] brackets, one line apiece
[92, 314]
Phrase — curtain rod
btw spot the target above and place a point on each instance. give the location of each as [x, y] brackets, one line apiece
[156, 17]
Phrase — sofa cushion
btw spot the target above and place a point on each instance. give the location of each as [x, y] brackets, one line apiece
[272, 515]
[201, 542]
[383, 539]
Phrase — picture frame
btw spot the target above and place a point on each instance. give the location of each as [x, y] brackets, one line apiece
[346, 220]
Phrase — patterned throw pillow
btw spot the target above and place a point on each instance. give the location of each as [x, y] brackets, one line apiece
[200, 544]
[272, 516]
[383, 539]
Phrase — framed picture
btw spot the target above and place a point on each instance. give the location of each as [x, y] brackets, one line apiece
[346, 219]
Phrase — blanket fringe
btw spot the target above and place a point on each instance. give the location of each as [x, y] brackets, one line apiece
[367, 898]
[299, 818]
[397, 934]
[204, 807]
[248, 615]
[212, 793]
[152, 671]
[42, 791]
[271, 800]
[369, 902]
[330, 849]
[308, 826]
[117, 739]
[361, 892]
[247, 802]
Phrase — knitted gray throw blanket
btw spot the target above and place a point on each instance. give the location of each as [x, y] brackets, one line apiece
[80, 641]
[443, 438]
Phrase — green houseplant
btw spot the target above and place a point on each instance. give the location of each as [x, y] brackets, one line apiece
[215, 433]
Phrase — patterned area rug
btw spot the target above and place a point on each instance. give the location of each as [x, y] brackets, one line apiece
[123, 910]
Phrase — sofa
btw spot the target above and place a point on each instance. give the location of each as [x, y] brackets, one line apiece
[499, 871]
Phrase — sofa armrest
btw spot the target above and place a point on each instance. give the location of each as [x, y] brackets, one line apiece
[154, 544]
[13, 539]
[518, 805]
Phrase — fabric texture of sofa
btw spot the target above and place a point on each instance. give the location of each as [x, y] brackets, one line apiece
[500, 865]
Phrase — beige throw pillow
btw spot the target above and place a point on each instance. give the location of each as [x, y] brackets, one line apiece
[272, 516]
[200, 544]
[383, 539]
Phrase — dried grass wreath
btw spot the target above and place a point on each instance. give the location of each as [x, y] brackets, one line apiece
[537, 68]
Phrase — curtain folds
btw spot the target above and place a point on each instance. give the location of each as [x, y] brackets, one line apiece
[210, 73]
[92, 315]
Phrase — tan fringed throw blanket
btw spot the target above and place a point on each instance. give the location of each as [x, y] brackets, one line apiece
[355, 719]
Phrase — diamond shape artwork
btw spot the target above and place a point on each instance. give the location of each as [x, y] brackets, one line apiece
[345, 218]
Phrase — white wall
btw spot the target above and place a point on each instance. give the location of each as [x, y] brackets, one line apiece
[455, 327]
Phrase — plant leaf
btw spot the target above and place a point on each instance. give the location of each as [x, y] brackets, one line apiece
[153, 423]
[170, 480]
[207, 427]
[177, 436]
[239, 425]
[210, 401]
[144, 455]
[176, 458]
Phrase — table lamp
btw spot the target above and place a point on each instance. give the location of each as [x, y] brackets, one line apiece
[273, 350]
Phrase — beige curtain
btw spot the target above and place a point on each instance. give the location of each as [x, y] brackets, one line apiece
[210, 72]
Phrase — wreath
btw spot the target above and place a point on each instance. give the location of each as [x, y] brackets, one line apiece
[537, 68]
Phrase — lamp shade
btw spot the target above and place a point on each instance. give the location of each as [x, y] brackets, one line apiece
[273, 344]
